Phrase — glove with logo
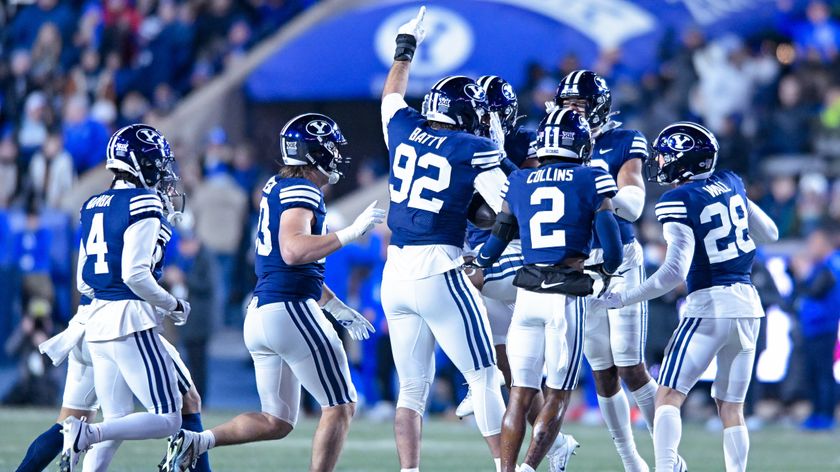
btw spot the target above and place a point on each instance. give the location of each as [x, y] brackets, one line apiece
[366, 220]
[355, 324]
[601, 277]
[409, 36]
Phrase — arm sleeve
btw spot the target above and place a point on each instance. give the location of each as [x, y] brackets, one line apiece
[673, 271]
[391, 104]
[629, 202]
[83, 287]
[138, 247]
[762, 228]
[606, 227]
[488, 184]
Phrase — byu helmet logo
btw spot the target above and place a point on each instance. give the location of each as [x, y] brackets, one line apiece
[149, 136]
[507, 91]
[319, 127]
[475, 92]
[680, 142]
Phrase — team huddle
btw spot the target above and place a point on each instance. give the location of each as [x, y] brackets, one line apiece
[513, 250]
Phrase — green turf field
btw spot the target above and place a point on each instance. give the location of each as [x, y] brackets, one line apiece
[448, 446]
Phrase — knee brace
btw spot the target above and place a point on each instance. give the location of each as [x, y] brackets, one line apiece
[487, 399]
[413, 394]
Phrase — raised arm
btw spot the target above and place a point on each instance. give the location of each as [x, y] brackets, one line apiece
[409, 36]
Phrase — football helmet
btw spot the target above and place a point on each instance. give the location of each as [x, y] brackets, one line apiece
[457, 100]
[501, 98]
[143, 152]
[687, 151]
[564, 134]
[590, 87]
[313, 139]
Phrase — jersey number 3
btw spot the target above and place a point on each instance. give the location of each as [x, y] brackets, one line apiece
[557, 237]
[413, 189]
[734, 215]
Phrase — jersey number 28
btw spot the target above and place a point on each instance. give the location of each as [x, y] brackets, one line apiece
[413, 189]
[734, 215]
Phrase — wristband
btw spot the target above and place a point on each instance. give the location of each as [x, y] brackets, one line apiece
[406, 45]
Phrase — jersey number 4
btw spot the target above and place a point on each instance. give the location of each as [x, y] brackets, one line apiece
[405, 165]
[735, 215]
[96, 245]
[557, 237]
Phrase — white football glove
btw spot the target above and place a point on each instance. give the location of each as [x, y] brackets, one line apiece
[614, 296]
[355, 324]
[181, 312]
[415, 27]
[550, 106]
[497, 133]
[366, 220]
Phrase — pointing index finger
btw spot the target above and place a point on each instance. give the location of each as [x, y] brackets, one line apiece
[421, 13]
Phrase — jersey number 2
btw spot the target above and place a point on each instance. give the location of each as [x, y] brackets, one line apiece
[96, 245]
[558, 208]
[734, 215]
[412, 189]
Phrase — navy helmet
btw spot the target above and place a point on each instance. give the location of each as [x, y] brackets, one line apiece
[457, 100]
[590, 87]
[143, 152]
[687, 151]
[501, 98]
[564, 134]
[313, 139]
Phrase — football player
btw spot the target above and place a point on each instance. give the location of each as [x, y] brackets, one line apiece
[711, 229]
[80, 399]
[120, 229]
[615, 339]
[438, 159]
[555, 209]
[291, 341]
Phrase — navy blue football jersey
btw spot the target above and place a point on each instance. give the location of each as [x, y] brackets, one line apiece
[555, 206]
[519, 147]
[105, 218]
[276, 280]
[612, 149]
[716, 211]
[432, 179]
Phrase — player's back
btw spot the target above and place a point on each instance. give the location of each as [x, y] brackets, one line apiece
[716, 211]
[555, 206]
[105, 219]
[278, 281]
[432, 179]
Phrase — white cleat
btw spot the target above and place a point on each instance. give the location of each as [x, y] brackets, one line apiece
[465, 408]
[182, 452]
[564, 447]
[76, 434]
[680, 465]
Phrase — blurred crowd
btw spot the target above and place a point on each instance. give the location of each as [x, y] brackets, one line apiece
[72, 72]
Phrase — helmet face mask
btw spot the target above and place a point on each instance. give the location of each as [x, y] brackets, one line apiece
[458, 101]
[683, 151]
[501, 99]
[314, 139]
[590, 88]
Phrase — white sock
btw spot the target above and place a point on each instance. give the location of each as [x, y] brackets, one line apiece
[559, 442]
[525, 468]
[736, 448]
[139, 426]
[667, 431]
[100, 456]
[616, 413]
[413, 469]
[498, 461]
[645, 398]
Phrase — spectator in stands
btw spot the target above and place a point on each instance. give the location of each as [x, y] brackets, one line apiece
[34, 385]
[84, 138]
[788, 128]
[47, 54]
[51, 173]
[780, 204]
[28, 22]
[818, 36]
[816, 271]
[812, 202]
[31, 246]
[16, 85]
[33, 128]
[8, 172]
[245, 170]
[194, 273]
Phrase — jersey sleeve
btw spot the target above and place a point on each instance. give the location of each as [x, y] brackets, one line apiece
[485, 155]
[638, 147]
[300, 196]
[671, 208]
[605, 186]
[145, 205]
